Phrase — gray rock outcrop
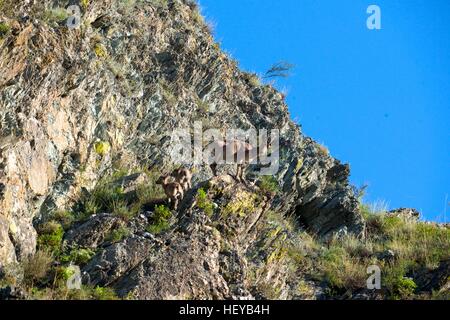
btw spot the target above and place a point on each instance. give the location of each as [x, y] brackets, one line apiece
[74, 103]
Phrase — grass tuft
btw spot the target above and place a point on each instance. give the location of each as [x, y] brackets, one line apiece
[203, 202]
[4, 30]
[160, 220]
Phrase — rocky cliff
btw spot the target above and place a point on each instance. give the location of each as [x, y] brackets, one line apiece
[86, 118]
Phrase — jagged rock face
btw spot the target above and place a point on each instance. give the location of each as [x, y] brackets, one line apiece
[129, 77]
[206, 256]
[406, 213]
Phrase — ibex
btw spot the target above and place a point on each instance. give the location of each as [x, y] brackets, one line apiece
[183, 176]
[173, 190]
[238, 148]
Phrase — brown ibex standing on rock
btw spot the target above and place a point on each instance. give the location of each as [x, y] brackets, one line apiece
[173, 190]
[242, 148]
[183, 176]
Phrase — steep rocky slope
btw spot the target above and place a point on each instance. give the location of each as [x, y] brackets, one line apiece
[86, 117]
[146, 70]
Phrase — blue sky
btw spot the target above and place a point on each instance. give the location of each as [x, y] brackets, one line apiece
[378, 99]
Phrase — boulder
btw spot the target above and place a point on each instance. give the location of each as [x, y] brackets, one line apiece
[406, 213]
[93, 232]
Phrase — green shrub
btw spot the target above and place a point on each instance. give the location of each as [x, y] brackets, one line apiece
[102, 148]
[162, 213]
[78, 256]
[60, 292]
[119, 173]
[157, 228]
[118, 234]
[104, 293]
[109, 197]
[404, 288]
[89, 207]
[150, 191]
[392, 225]
[415, 244]
[299, 165]
[431, 243]
[418, 242]
[55, 15]
[4, 30]
[84, 4]
[160, 220]
[37, 267]
[121, 210]
[50, 237]
[204, 203]
[65, 218]
[101, 52]
[374, 225]
[340, 270]
[63, 274]
[104, 198]
[269, 184]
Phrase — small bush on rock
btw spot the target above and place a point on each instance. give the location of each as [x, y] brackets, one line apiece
[37, 267]
[269, 184]
[160, 219]
[4, 30]
[50, 237]
[204, 203]
[104, 293]
[78, 256]
[118, 234]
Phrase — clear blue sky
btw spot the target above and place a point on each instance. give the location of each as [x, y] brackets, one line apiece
[379, 100]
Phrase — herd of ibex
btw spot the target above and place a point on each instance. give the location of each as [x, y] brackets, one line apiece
[175, 190]
[242, 153]
[178, 183]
